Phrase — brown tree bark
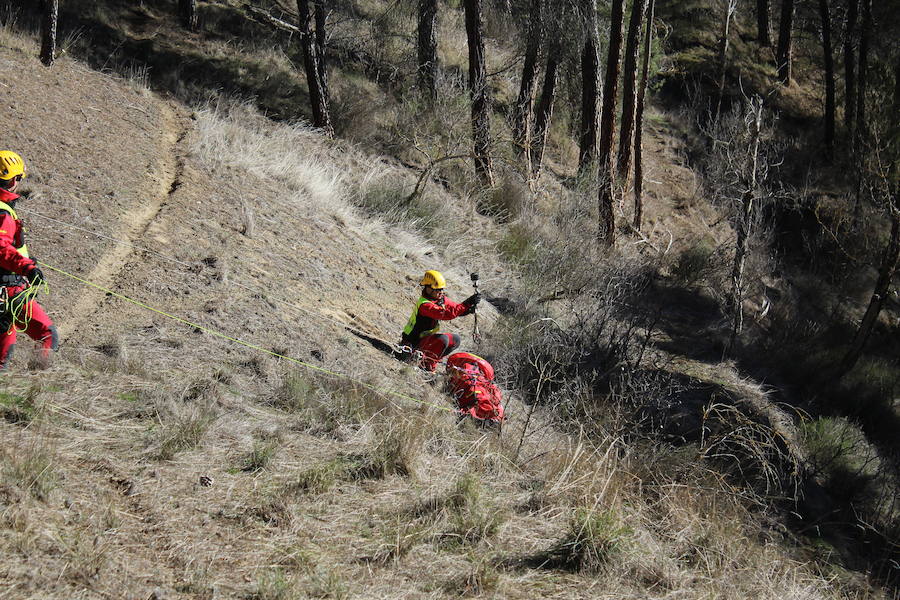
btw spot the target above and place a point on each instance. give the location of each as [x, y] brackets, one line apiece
[763, 35]
[188, 13]
[850, 67]
[607, 226]
[639, 121]
[48, 31]
[545, 106]
[522, 115]
[590, 94]
[427, 46]
[478, 90]
[828, 60]
[314, 66]
[629, 91]
[783, 54]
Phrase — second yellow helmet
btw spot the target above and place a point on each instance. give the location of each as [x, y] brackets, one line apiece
[434, 280]
[11, 165]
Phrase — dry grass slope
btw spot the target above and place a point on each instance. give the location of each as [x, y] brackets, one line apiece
[151, 456]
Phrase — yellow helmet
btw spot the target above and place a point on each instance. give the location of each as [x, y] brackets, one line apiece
[11, 165]
[434, 280]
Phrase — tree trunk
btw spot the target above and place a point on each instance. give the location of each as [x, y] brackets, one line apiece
[319, 15]
[545, 107]
[730, 8]
[762, 23]
[188, 10]
[48, 31]
[314, 66]
[478, 90]
[744, 221]
[639, 121]
[427, 47]
[850, 68]
[783, 53]
[629, 91]
[865, 35]
[590, 72]
[891, 256]
[607, 225]
[522, 112]
[882, 287]
[825, 16]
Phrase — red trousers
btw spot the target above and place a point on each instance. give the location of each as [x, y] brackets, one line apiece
[436, 346]
[36, 324]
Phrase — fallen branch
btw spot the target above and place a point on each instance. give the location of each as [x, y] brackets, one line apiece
[266, 18]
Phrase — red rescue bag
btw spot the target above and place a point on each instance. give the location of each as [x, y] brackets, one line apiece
[472, 385]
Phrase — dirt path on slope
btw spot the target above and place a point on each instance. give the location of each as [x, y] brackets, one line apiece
[137, 220]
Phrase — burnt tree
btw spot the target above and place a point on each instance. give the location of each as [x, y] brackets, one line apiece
[629, 90]
[763, 35]
[427, 47]
[522, 112]
[187, 10]
[865, 35]
[639, 121]
[828, 61]
[48, 31]
[319, 16]
[783, 53]
[545, 105]
[478, 91]
[850, 66]
[607, 218]
[314, 64]
[590, 94]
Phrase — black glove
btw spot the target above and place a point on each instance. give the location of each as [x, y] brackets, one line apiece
[35, 276]
[473, 300]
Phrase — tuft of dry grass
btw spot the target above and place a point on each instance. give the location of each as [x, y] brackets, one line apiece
[481, 577]
[259, 457]
[31, 469]
[594, 538]
[184, 430]
[21, 409]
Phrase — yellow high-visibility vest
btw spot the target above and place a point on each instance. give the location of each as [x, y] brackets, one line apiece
[4, 207]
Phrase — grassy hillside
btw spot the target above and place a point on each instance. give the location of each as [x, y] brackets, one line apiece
[156, 459]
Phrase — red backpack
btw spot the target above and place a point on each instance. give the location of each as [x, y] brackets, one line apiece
[472, 385]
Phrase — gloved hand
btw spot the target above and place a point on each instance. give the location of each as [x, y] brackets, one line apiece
[473, 300]
[35, 276]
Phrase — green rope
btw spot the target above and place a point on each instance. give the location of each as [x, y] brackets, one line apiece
[240, 341]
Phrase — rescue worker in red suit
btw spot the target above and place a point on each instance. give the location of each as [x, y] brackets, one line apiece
[422, 332]
[18, 271]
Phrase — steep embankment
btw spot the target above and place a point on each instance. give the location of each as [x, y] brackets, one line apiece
[153, 458]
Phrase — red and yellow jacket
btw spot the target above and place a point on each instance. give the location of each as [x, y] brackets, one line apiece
[15, 263]
[426, 316]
